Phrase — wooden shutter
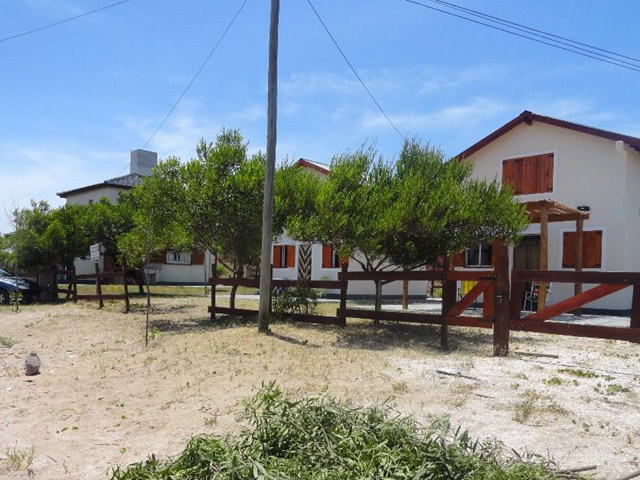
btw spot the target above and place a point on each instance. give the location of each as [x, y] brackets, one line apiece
[327, 253]
[528, 175]
[459, 259]
[277, 256]
[160, 257]
[592, 252]
[291, 256]
[591, 249]
[344, 261]
[197, 257]
[546, 172]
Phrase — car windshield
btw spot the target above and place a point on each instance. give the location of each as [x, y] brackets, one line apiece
[4, 273]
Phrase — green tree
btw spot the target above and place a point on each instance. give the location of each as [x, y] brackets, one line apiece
[155, 229]
[218, 198]
[438, 210]
[25, 241]
[406, 214]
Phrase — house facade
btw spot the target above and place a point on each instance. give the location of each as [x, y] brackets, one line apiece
[170, 267]
[590, 169]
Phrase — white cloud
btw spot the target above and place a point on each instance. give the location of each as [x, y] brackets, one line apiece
[450, 80]
[474, 112]
[41, 171]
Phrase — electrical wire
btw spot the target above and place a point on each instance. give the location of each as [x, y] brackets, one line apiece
[542, 32]
[354, 70]
[28, 32]
[546, 41]
[193, 79]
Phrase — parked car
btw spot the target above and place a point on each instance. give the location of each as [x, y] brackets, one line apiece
[9, 284]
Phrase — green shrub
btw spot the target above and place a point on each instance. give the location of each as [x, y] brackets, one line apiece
[299, 299]
[320, 438]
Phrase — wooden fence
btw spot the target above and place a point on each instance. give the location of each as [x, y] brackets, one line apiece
[234, 283]
[502, 311]
[71, 291]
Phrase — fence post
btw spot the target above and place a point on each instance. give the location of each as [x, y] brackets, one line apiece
[271, 290]
[635, 307]
[449, 293]
[75, 284]
[342, 316]
[125, 284]
[214, 276]
[501, 300]
[99, 285]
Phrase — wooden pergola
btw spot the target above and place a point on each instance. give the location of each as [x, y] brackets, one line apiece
[545, 212]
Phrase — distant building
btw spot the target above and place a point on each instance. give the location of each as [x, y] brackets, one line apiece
[168, 268]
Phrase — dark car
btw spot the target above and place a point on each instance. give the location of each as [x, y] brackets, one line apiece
[9, 284]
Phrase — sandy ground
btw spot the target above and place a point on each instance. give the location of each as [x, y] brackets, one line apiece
[103, 400]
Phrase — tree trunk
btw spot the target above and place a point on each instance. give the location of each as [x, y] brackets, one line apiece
[378, 305]
[405, 292]
[141, 281]
[146, 329]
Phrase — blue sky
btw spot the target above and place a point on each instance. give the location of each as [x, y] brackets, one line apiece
[76, 98]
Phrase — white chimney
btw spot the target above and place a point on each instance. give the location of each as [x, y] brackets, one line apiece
[142, 161]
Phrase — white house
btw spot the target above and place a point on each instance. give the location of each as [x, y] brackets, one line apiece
[583, 167]
[168, 268]
[290, 258]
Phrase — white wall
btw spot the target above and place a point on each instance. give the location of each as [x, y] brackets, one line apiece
[355, 287]
[94, 195]
[588, 171]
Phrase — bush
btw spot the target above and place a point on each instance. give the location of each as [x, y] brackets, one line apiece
[320, 438]
[299, 299]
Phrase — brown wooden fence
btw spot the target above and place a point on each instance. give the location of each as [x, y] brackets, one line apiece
[71, 291]
[502, 300]
[606, 284]
[338, 319]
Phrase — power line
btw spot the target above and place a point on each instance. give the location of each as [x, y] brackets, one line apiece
[503, 21]
[28, 32]
[536, 38]
[193, 79]
[354, 70]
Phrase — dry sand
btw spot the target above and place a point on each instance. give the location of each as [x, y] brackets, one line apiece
[103, 400]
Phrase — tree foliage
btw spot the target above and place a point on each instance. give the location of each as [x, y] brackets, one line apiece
[408, 213]
[217, 197]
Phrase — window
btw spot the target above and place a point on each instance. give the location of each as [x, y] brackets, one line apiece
[478, 256]
[591, 249]
[180, 258]
[284, 256]
[528, 175]
[331, 259]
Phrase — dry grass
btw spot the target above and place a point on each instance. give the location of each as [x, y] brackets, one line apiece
[103, 399]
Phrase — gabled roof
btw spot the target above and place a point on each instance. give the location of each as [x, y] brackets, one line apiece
[528, 118]
[318, 167]
[124, 182]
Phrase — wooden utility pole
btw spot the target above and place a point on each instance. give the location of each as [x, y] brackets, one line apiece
[267, 212]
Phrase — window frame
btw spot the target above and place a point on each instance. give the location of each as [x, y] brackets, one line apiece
[336, 261]
[283, 261]
[478, 245]
[554, 179]
[173, 261]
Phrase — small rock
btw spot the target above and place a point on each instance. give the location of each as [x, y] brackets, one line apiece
[32, 364]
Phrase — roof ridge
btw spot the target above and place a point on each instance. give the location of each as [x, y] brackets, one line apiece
[529, 117]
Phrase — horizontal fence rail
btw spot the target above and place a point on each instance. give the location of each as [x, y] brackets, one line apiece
[275, 283]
